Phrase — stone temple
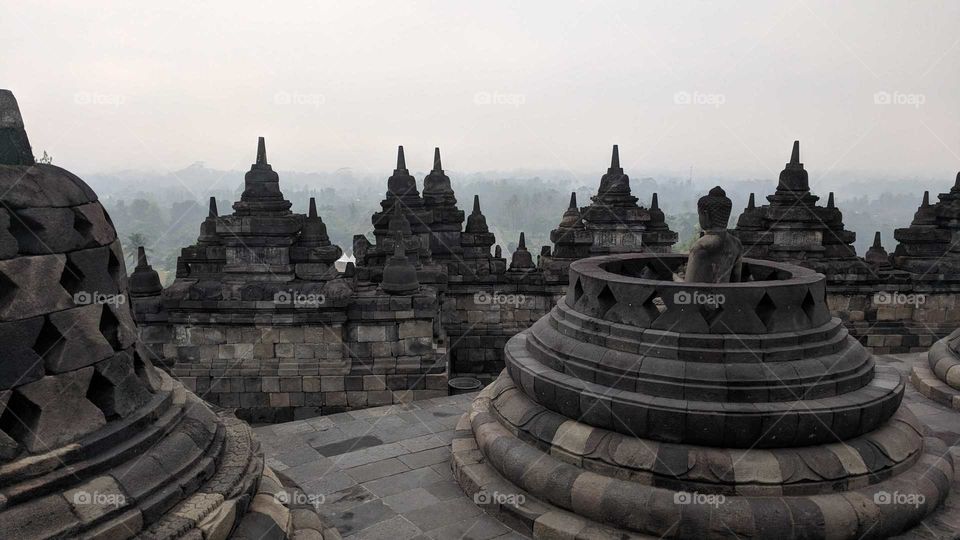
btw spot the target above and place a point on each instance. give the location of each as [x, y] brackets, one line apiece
[744, 390]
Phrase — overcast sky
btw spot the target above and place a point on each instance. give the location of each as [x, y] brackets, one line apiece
[724, 88]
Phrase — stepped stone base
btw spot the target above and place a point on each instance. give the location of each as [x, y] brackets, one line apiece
[553, 477]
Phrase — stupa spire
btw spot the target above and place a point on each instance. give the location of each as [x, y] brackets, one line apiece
[795, 154]
[401, 161]
[437, 166]
[261, 152]
[615, 158]
[926, 199]
[313, 208]
[752, 203]
[213, 208]
[523, 242]
[142, 257]
[14, 144]
[830, 203]
[573, 201]
[476, 205]
[654, 202]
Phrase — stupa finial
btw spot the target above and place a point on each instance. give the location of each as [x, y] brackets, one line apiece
[615, 157]
[437, 166]
[795, 155]
[213, 208]
[261, 151]
[401, 161]
[14, 144]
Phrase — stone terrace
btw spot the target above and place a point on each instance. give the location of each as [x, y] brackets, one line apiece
[384, 473]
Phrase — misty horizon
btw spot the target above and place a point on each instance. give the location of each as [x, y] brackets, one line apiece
[724, 90]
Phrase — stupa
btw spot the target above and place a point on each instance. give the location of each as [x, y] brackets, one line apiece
[95, 442]
[939, 377]
[929, 245]
[646, 407]
[617, 223]
[794, 228]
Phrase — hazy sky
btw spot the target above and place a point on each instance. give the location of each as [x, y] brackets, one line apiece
[723, 87]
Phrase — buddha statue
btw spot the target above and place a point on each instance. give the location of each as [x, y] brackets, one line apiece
[717, 255]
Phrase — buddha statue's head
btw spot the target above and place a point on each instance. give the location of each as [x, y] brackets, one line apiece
[714, 210]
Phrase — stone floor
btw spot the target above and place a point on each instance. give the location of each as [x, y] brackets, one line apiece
[384, 473]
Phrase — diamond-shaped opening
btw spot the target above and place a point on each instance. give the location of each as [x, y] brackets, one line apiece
[577, 290]
[115, 267]
[765, 310]
[49, 342]
[25, 229]
[81, 224]
[102, 393]
[143, 368]
[71, 278]
[711, 312]
[809, 306]
[110, 326]
[8, 290]
[20, 417]
[606, 300]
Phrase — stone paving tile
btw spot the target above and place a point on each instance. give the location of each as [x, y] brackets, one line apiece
[329, 482]
[395, 528]
[298, 455]
[377, 469]
[443, 514]
[398, 483]
[446, 490]
[348, 445]
[424, 442]
[410, 500]
[368, 455]
[426, 457]
[480, 527]
[361, 517]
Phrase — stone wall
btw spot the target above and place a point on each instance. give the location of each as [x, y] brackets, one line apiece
[480, 319]
[899, 318]
[385, 352]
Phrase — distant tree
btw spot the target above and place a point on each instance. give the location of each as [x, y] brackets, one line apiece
[135, 240]
[45, 158]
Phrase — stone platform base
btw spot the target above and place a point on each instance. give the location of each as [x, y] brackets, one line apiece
[927, 383]
[616, 493]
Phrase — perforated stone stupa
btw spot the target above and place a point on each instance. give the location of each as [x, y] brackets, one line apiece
[646, 407]
[94, 441]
